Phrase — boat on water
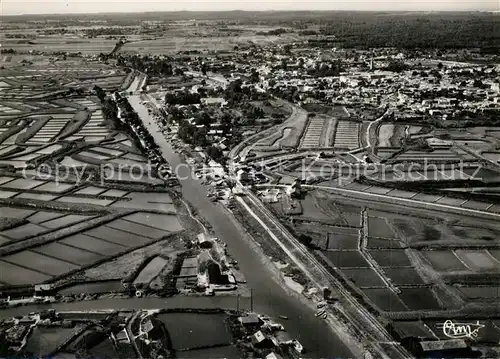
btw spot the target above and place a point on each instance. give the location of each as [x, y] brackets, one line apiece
[320, 313]
[297, 346]
[324, 316]
[283, 317]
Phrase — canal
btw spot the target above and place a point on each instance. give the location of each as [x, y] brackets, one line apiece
[269, 295]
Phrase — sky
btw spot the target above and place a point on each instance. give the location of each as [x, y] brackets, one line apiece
[16, 7]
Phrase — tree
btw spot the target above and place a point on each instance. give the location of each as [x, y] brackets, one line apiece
[226, 123]
[284, 65]
[99, 93]
[478, 83]
[397, 66]
[215, 153]
[305, 240]
[254, 77]
[200, 137]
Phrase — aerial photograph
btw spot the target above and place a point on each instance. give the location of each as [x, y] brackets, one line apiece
[274, 180]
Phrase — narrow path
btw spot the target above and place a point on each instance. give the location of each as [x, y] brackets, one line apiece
[194, 217]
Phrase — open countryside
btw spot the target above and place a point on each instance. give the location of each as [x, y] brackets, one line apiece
[193, 185]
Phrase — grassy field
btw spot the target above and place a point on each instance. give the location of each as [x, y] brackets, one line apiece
[391, 258]
[288, 134]
[389, 235]
[385, 299]
[67, 233]
[55, 43]
[386, 131]
[378, 227]
[492, 156]
[478, 260]
[128, 263]
[390, 135]
[43, 341]
[444, 261]
[347, 135]
[347, 259]
[174, 44]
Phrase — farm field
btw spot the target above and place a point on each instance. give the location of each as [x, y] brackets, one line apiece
[198, 333]
[410, 299]
[383, 243]
[128, 263]
[363, 277]
[347, 135]
[393, 261]
[172, 45]
[342, 240]
[92, 287]
[445, 261]
[313, 132]
[346, 259]
[403, 276]
[288, 135]
[391, 258]
[478, 260]
[391, 135]
[43, 340]
[446, 196]
[378, 227]
[315, 210]
[393, 192]
[319, 133]
[419, 299]
[489, 332]
[151, 270]
[54, 43]
[481, 293]
[385, 299]
[317, 207]
[52, 228]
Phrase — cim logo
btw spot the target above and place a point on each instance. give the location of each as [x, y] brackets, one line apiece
[461, 330]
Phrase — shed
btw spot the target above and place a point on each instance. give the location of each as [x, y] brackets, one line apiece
[207, 265]
[251, 320]
[243, 176]
[204, 241]
[259, 340]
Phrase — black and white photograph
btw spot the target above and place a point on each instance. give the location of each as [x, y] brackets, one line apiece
[278, 179]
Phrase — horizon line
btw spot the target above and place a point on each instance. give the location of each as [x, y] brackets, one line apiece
[249, 11]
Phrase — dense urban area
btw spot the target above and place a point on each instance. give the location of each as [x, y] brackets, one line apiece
[250, 185]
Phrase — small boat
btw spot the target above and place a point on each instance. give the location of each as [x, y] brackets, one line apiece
[319, 313]
[324, 316]
[297, 346]
[283, 317]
